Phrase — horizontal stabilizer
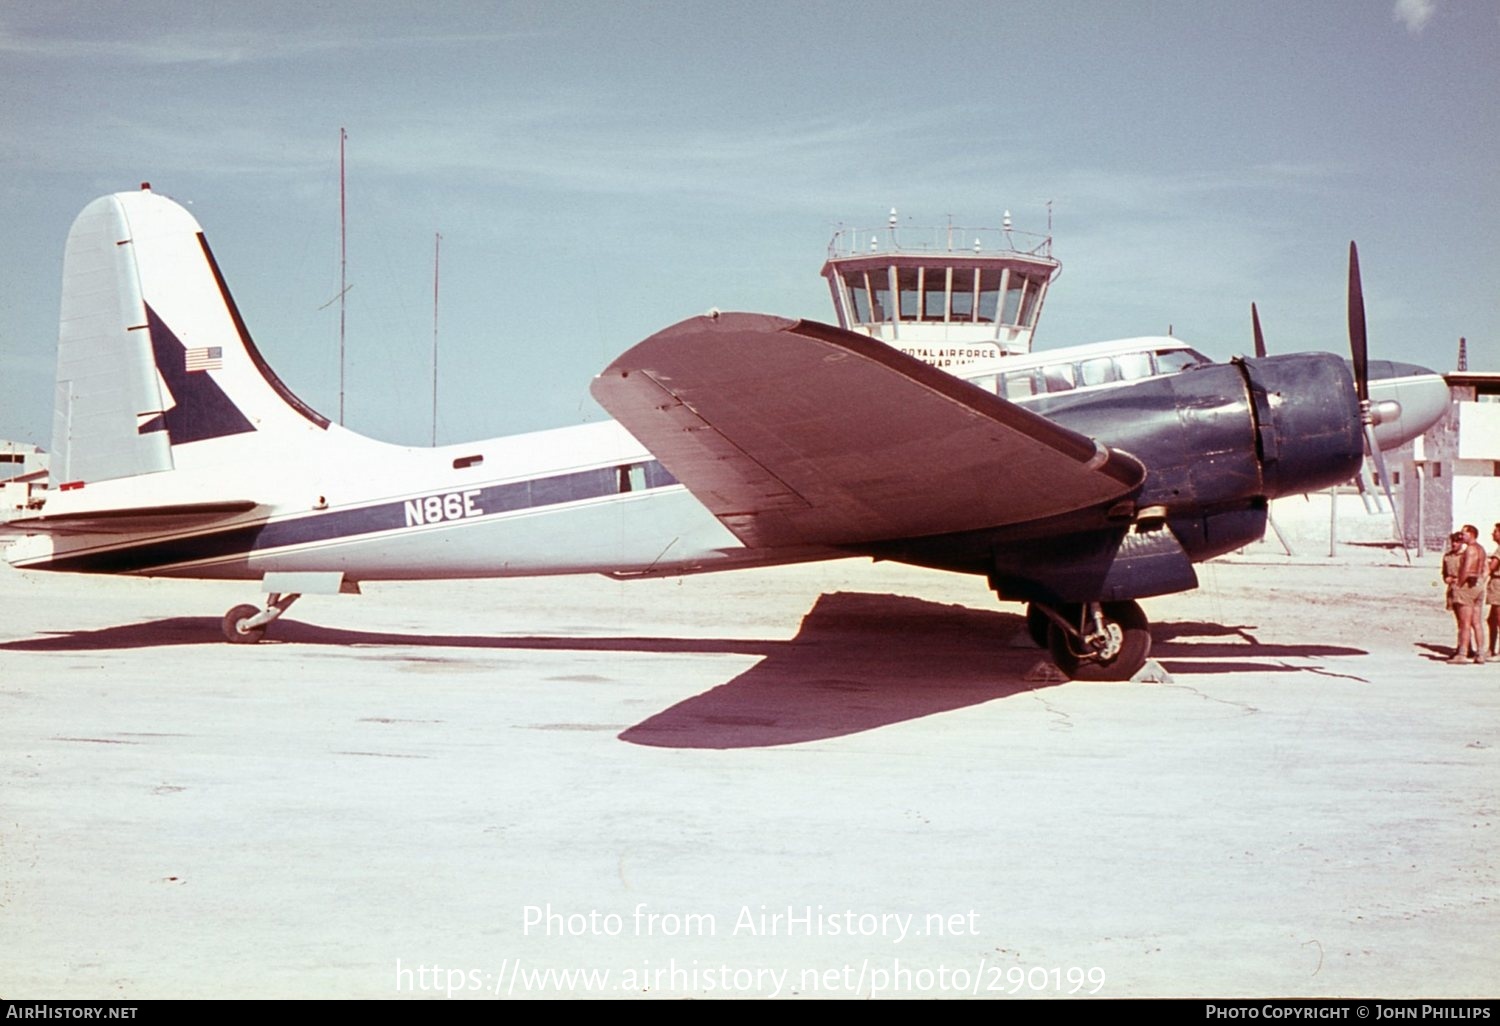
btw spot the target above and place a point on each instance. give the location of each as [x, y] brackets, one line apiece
[130, 520]
[799, 433]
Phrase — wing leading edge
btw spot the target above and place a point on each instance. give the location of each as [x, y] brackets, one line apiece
[800, 433]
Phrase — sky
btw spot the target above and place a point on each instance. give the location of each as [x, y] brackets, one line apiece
[599, 171]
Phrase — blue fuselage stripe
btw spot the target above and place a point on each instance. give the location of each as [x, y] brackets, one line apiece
[448, 507]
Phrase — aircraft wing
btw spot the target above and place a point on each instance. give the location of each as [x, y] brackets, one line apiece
[799, 433]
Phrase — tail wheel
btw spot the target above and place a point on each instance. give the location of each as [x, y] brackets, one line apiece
[1114, 652]
[234, 634]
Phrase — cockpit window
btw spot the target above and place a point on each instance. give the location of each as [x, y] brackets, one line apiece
[1171, 361]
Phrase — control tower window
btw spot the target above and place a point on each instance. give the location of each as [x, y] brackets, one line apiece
[880, 295]
[869, 295]
[989, 293]
[859, 296]
[908, 281]
[964, 282]
[1033, 289]
[934, 293]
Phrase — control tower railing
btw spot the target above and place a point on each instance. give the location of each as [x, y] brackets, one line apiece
[951, 238]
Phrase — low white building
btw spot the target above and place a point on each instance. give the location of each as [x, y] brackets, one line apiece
[1451, 475]
[17, 458]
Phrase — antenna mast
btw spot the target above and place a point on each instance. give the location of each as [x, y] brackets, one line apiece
[437, 254]
[343, 268]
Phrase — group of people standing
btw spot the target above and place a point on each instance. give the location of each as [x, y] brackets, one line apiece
[1473, 580]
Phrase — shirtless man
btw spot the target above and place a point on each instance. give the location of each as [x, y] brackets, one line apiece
[1466, 589]
[1492, 595]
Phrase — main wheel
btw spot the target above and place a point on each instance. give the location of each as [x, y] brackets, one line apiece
[1039, 624]
[234, 634]
[1125, 645]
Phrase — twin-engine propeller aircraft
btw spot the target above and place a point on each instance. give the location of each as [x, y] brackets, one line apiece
[741, 440]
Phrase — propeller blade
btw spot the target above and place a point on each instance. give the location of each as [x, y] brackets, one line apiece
[1357, 339]
[1260, 340]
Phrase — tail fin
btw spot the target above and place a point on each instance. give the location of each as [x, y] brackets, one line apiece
[153, 357]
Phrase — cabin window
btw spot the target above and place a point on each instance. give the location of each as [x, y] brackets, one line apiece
[1060, 378]
[1018, 384]
[934, 293]
[989, 294]
[1098, 371]
[1437, 470]
[1134, 366]
[964, 285]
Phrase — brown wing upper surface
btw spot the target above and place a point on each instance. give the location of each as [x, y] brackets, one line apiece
[799, 433]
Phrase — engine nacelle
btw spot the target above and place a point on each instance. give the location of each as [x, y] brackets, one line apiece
[1228, 435]
[1308, 433]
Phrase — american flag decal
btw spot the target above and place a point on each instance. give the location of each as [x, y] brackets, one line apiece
[205, 358]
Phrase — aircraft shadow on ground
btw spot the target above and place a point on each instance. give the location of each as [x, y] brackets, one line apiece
[859, 661]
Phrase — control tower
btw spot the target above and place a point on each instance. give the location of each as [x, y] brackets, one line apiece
[948, 296]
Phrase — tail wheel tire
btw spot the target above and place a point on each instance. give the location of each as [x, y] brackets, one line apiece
[234, 634]
[1127, 643]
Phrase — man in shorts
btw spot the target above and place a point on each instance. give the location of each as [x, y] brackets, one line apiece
[1492, 595]
[1466, 592]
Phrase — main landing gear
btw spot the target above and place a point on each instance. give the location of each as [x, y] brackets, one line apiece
[246, 625]
[1094, 640]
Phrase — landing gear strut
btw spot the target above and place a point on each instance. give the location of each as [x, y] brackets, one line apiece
[246, 625]
[1096, 640]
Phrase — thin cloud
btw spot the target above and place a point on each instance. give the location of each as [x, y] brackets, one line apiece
[238, 46]
[1415, 14]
